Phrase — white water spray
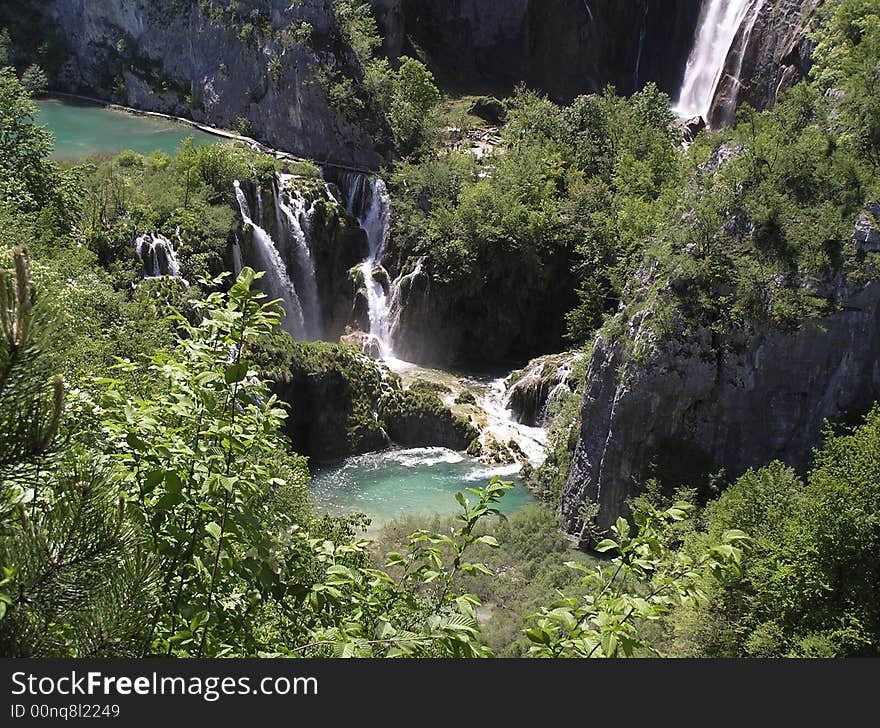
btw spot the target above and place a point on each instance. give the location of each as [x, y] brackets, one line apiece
[292, 206]
[157, 256]
[502, 425]
[276, 281]
[369, 202]
[718, 26]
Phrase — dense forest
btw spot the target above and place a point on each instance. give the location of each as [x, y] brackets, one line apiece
[166, 402]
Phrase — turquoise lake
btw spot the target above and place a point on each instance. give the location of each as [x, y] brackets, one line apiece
[82, 129]
[399, 482]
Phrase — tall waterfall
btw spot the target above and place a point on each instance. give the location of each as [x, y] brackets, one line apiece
[719, 24]
[296, 223]
[368, 201]
[276, 281]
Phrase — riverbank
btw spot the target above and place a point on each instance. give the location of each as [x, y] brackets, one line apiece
[258, 146]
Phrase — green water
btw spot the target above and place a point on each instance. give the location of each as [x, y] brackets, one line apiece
[399, 482]
[82, 129]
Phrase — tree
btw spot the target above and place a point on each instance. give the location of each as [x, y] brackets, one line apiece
[25, 172]
[74, 580]
[811, 582]
[34, 80]
[648, 577]
[413, 96]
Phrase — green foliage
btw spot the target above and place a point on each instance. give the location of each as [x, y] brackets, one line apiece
[196, 458]
[846, 61]
[409, 413]
[188, 198]
[645, 580]
[76, 582]
[413, 97]
[566, 206]
[810, 583]
[25, 174]
[527, 570]
[393, 105]
[34, 80]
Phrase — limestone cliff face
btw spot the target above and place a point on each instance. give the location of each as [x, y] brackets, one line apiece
[167, 56]
[563, 47]
[703, 402]
[503, 315]
[770, 54]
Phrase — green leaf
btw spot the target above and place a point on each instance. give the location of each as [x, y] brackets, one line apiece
[173, 483]
[605, 545]
[236, 372]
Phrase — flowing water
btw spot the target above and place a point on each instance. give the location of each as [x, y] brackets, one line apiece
[399, 482]
[384, 485]
[276, 283]
[368, 201]
[157, 256]
[719, 23]
[295, 220]
[82, 129]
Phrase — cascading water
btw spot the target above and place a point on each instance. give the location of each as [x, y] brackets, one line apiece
[399, 288]
[368, 201]
[503, 427]
[296, 224]
[276, 281]
[720, 21]
[561, 388]
[237, 263]
[643, 32]
[157, 256]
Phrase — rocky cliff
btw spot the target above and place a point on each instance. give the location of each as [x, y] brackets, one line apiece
[771, 53]
[563, 47]
[689, 405]
[249, 65]
[492, 318]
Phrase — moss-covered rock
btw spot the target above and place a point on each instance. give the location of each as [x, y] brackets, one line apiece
[423, 385]
[333, 391]
[418, 418]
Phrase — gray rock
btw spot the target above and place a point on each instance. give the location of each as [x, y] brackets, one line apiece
[149, 56]
[694, 402]
[767, 57]
[563, 47]
[866, 236]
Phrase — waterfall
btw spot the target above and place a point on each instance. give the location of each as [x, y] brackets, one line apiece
[589, 12]
[720, 21]
[237, 264]
[642, 33]
[276, 282]
[561, 388]
[157, 256]
[501, 425]
[297, 224]
[726, 110]
[399, 287]
[368, 201]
